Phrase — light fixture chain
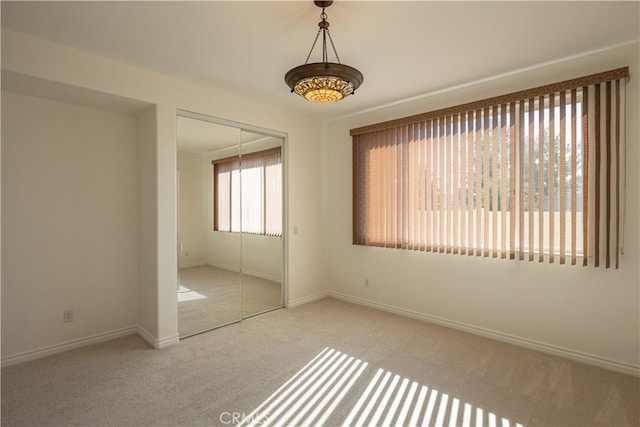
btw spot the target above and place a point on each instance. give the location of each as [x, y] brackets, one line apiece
[323, 82]
[333, 46]
[324, 25]
[313, 45]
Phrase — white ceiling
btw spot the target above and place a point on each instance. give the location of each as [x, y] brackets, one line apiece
[404, 49]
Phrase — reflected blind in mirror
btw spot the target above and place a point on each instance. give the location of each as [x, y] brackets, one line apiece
[248, 193]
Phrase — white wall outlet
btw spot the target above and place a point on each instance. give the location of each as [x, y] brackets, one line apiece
[67, 316]
[366, 283]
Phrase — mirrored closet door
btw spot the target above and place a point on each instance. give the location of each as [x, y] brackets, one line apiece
[230, 222]
[261, 220]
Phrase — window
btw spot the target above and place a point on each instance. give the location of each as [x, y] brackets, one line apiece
[534, 175]
[248, 193]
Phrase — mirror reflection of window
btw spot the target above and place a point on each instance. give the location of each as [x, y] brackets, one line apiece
[251, 203]
[230, 204]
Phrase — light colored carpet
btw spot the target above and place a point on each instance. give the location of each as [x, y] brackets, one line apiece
[209, 297]
[323, 363]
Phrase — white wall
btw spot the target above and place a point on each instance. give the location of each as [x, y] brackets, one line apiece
[580, 310]
[69, 240]
[147, 225]
[42, 59]
[192, 230]
[262, 256]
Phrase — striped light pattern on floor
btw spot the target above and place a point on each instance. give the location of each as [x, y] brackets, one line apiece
[311, 395]
[390, 400]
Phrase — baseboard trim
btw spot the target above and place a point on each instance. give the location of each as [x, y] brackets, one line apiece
[233, 268]
[191, 264]
[168, 341]
[145, 335]
[247, 272]
[155, 342]
[591, 359]
[93, 339]
[262, 275]
[69, 345]
[305, 300]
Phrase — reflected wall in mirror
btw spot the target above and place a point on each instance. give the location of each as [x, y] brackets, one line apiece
[262, 248]
[209, 263]
[230, 222]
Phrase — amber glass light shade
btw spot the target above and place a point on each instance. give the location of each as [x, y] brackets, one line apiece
[324, 82]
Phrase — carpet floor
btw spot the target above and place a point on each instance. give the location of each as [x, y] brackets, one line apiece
[209, 297]
[325, 363]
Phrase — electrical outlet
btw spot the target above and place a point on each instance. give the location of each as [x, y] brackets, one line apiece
[366, 283]
[67, 316]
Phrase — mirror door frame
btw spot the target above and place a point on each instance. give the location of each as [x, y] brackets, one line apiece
[285, 181]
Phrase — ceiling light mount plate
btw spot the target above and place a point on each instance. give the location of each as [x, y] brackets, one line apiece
[323, 4]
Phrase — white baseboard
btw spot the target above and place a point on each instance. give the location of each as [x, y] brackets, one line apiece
[145, 335]
[233, 268]
[167, 341]
[153, 341]
[262, 275]
[65, 346]
[307, 299]
[601, 362]
[191, 264]
[82, 342]
[236, 269]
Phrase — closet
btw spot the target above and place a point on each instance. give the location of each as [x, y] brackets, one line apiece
[230, 218]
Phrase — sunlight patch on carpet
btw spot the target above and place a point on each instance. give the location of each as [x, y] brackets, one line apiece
[390, 400]
[312, 394]
[186, 294]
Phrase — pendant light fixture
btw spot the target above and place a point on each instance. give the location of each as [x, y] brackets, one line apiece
[323, 82]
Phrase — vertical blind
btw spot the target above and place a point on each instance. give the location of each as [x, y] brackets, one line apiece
[248, 193]
[536, 174]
